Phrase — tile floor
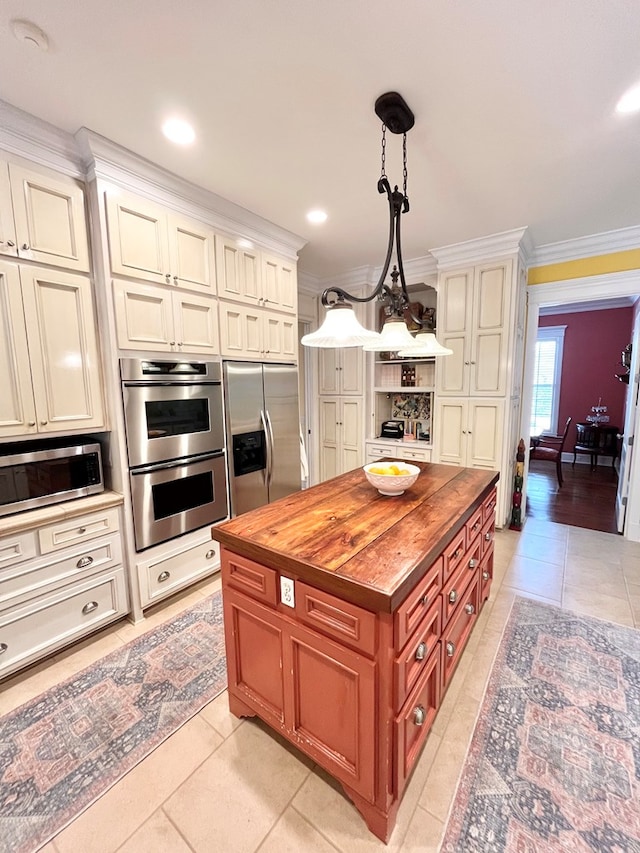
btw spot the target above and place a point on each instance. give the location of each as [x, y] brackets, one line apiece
[221, 785]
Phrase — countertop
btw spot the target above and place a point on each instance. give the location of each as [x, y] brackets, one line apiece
[33, 518]
[346, 538]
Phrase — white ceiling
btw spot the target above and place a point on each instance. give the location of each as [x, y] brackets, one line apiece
[514, 104]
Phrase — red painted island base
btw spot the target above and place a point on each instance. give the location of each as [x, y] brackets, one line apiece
[386, 592]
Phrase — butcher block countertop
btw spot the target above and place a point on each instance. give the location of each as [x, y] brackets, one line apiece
[344, 537]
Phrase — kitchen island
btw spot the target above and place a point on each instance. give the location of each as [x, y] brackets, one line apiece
[346, 613]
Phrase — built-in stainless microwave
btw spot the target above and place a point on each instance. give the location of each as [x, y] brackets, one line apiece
[33, 477]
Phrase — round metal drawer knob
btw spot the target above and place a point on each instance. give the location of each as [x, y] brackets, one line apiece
[487, 537]
[450, 649]
[469, 609]
[453, 596]
[421, 651]
[485, 576]
[419, 715]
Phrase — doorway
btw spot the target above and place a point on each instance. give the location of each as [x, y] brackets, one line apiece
[594, 292]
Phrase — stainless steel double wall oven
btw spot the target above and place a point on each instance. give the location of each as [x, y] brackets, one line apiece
[175, 445]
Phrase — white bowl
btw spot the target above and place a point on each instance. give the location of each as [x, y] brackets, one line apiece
[391, 484]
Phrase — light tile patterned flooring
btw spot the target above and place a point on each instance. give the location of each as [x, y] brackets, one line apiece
[222, 785]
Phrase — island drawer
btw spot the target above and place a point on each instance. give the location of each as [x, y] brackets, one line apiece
[488, 534]
[455, 635]
[454, 588]
[454, 552]
[410, 613]
[412, 661]
[489, 505]
[473, 525]
[486, 576]
[249, 577]
[413, 723]
[349, 624]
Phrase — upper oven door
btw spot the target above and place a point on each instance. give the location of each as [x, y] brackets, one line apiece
[171, 421]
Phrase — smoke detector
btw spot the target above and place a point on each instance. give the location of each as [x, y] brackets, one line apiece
[29, 33]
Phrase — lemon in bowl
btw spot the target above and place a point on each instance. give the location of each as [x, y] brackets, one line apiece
[391, 478]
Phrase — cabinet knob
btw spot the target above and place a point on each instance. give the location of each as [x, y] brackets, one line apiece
[419, 716]
[172, 343]
[421, 651]
[164, 576]
[450, 647]
[485, 576]
[453, 596]
[167, 275]
[487, 537]
[43, 423]
[175, 279]
[469, 609]
[82, 530]
[473, 563]
[25, 247]
[89, 607]
[3, 648]
[180, 344]
[466, 362]
[473, 362]
[210, 554]
[31, 423]
[10, 244]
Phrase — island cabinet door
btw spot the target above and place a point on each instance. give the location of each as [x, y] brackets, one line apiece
[332, 713]
[255, 637]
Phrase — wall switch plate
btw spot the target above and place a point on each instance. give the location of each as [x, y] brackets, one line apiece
[287, 595]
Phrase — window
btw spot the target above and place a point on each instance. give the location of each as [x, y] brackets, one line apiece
[547, 374]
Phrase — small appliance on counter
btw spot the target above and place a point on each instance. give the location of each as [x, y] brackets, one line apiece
[392, 429]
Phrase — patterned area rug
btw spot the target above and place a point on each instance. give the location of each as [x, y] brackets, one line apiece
[64, 749]
[554, 763]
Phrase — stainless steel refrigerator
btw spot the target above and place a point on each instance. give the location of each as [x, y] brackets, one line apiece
[263, 432]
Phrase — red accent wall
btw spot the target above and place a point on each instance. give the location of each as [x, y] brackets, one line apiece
[593, 343]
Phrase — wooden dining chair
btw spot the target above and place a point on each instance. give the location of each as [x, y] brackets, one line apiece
[549, 448]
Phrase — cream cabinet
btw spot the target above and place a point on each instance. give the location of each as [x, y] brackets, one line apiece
[163, 320]
[148, 242]
[42, 217]
[381, 449]
[341, 429]
[48, 353]
[474, 321]
[258, 334]
[173, 568]
[469, 432]
[341, 371]
[59, 582]
[255, 278]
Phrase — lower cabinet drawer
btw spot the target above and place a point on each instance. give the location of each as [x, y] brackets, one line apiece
[409, 665]
[455, 636]
[249, 577]
[456, 586]
[413, 723]
[62, 534]
[489, 505]
[486, 576]
[53, 620]
[163, 576]
[341, 620]
[16, 549]
[488, 534]
[412, 610]
[418, 455]
[26, 578]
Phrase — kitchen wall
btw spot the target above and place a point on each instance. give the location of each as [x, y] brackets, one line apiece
[593, 344]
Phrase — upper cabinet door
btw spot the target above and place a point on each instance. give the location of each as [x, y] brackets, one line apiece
[8, 239]
[454, 330]
[17, 409]
[138, 239]
[64, 352]
[144, 316]
[491, 305]
[191, 255]
[49, 219]
[279, 283]
[195, 320]
[238, 272]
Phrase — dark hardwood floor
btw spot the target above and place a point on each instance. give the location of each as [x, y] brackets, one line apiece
[587, 498]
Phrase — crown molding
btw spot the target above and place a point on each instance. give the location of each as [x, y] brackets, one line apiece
[480, 249]
[308, 283]
[593, 305]
[108, 161]
[587, 247]
[38, 141]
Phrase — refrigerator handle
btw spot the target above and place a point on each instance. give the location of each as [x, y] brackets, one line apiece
[270, 446]
[266, 426]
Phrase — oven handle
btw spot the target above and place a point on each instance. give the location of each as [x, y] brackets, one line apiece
[175, 463]
[266, 425]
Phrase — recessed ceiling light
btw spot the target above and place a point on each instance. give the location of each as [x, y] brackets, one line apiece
[317, 216]
[30, 34]
[178, 131]
[630, 101]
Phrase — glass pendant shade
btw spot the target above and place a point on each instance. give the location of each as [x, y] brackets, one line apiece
[340, 329]
[425, 345]
[394, 336]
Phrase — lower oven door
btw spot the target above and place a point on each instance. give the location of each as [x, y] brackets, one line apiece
[176, 497]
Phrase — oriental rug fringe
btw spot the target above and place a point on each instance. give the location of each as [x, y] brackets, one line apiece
[64, 749]
[554, 762]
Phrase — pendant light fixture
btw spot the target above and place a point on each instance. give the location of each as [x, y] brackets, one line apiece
[341, 328]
